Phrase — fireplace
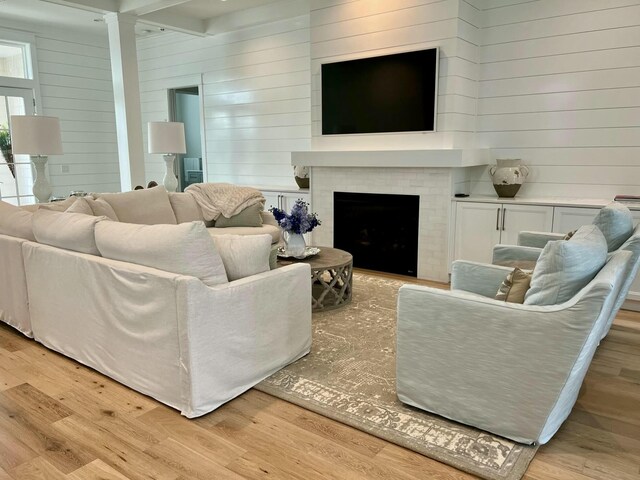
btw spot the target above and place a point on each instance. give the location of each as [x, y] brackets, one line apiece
[379, 230]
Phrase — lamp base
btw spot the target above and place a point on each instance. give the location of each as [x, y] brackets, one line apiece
[169, 181]
[41, 187]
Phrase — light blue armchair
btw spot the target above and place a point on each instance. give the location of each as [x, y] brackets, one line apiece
[510, 369]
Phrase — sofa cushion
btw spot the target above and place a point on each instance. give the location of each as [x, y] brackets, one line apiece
[72, 231]
[186, 249]
[566, 266]
[185, 207]
[59, 206]
[149, 206]
[15, 222]
[275, 232]
[249, 217]
[616, 224]
[80, 206]
[101, 208]
[244, 255]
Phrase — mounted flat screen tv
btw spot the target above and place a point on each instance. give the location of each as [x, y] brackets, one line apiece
[390, 93]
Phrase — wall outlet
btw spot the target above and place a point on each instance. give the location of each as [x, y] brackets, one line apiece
[64, 168]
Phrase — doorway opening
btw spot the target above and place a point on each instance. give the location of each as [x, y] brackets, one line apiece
[184, 106]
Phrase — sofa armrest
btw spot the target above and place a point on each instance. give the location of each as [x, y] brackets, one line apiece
[234, 335]
[537, 239]
[498, 366]
[477, 277]
[515, 256]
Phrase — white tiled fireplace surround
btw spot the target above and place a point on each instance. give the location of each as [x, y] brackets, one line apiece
[434, 175]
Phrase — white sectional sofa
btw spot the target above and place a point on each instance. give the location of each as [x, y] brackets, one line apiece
[161, 315]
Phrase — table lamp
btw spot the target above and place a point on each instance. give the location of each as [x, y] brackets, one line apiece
[167, 138]
[37, 136]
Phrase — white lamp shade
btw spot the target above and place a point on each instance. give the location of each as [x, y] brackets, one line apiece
[35, 135]
[166, 137]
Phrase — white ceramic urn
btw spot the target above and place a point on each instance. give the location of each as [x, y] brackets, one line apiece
[508, 176]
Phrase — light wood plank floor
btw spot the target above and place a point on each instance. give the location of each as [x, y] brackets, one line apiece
[61, 420]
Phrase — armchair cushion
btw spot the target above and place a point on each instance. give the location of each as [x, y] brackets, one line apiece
[566, 266]
[100, 207]
[616, 224]
[244, 255]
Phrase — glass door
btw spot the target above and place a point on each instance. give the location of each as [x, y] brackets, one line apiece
[16, 175]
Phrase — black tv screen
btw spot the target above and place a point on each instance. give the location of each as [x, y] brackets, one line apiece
[390, 93]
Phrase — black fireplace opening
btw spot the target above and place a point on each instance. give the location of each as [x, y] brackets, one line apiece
[379, 230]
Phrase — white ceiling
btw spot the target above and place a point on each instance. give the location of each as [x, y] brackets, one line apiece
[192, 16]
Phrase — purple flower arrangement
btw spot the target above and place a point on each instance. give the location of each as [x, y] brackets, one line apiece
[299, 221]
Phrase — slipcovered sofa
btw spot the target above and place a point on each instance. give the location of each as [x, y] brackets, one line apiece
[147, 207]
[185, 317]
[512, 369]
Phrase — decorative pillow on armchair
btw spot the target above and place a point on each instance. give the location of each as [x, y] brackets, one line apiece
[71, 231]
[15, 222]
[566, 266]
[150, 206]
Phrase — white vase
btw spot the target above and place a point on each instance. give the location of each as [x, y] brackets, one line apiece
[507, 176]
[169, 181]
[294, 244]
[41, 187]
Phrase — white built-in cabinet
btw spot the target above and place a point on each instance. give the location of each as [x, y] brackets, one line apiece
[284, 199]
[479, 226]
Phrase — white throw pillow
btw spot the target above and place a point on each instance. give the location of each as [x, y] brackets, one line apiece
[566, 266]
[80, 206]
[616, 224]
[72, 231]
[15, 222]
[186, 248]
[149, 206]
[244, 255]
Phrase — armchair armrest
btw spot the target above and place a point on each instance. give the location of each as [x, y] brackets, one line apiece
[498, 366]
[537, 239]
[515, 256]
[479, 278]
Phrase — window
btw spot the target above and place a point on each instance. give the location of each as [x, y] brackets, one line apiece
[13, 60]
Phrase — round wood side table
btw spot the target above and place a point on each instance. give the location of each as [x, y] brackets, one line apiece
[331, 277]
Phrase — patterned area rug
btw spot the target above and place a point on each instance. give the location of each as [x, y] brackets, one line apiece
[349, 376]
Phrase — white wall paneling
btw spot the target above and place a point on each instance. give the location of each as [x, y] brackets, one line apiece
[559, 87]
[345, 30]
[255, 94]
[75, 79]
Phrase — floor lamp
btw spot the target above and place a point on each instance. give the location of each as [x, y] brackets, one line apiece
[37, 136]
[167, 138]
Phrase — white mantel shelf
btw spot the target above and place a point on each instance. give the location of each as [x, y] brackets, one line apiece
[444, 158]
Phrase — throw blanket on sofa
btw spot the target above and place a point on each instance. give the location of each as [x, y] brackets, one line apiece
[217, 199]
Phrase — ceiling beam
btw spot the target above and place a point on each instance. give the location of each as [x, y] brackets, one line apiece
[171, 21]
[144, 7]
[271, 12]
[98, 6]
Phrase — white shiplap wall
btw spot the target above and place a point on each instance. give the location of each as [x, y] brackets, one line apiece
[559, 87]
[349, 29]
[256, 97]
[75, 85]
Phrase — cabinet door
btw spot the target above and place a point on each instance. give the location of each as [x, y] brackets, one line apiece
[477, 231]
[568, 219]
[516, 218]
[272, 200]
[289, 198]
